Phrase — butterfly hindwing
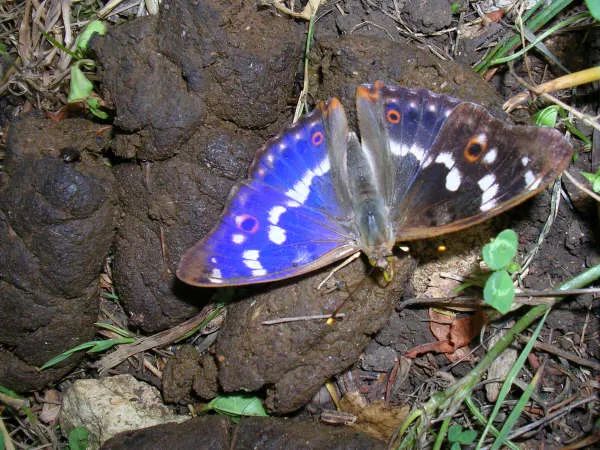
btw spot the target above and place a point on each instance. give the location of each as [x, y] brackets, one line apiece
[451, 163]
[286, 218]
[479, 167]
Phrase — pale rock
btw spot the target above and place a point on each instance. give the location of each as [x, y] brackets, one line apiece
[111, 405]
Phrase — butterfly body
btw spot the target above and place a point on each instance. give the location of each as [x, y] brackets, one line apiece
[426, 164]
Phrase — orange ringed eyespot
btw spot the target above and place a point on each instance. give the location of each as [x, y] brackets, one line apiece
[247, 223]
[475, 148]
[393, 116]
[317, 138]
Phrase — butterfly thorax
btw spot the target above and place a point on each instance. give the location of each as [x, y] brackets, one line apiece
[375, 232]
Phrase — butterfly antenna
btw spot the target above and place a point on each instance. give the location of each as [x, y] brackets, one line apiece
[332, 318]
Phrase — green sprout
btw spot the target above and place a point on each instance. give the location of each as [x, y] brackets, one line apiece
[499, 254]
[458, 437]
[594, 7]
[550, 116]
[81, 88]
[237, 405]
[78, 438]
[594, 179]
[94, 346]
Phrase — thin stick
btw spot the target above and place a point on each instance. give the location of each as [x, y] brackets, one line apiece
[301, 318]
[338, 268]
[581, 186]
[550, 417]
[548, 348]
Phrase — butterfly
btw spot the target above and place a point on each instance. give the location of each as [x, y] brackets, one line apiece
[426, 164]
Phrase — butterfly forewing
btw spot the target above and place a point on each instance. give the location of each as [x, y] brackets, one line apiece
[399, 126]
[286, 219]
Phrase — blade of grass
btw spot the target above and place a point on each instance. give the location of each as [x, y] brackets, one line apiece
[441, 436]
[475, 412]
[518, 409]
[512, 374]
[510, 42]
[541, 37]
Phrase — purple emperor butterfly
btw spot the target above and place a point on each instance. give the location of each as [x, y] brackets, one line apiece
[426, 164]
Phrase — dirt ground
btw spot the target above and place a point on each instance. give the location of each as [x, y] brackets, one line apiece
[194, 91]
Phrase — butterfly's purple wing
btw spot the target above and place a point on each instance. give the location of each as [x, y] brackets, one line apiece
[450, 164]
[287, 218]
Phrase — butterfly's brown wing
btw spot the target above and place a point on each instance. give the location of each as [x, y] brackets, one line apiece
[446, 165]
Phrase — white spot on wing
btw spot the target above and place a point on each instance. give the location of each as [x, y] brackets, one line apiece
[275, 213]
[276, 234]
[446, 159]
[489, 189]
[487, 206]
[215, 276]
[453, 179]
[301, 189]
[531, 182]
[490, 156]
[489, 194]
[485, 182]
[302, 257]
[251, 254]
[251, 264]
[396, 148]
[417, 151]
[238, 238]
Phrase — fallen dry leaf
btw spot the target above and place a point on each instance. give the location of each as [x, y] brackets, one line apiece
[453, 334]
[376, 419]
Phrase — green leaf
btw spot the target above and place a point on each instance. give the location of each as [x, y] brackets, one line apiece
[499, 253]
[90, 346]
[547, 117]
[1, 441]
[594, 179]
[237, 405]
[78, 438]
[454, 433]
[105, 344]
[94, 106]
[499, 291]
[455, 446]
[455, 7]
[9, 392]
[594, 7]
[64, 355]
[81, 88]
[467, 436]
[83, 40]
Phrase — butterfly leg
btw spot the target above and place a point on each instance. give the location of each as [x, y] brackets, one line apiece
[337, 268]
